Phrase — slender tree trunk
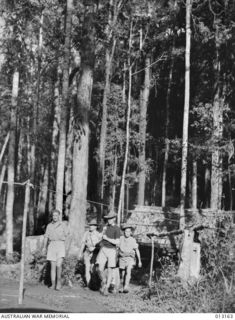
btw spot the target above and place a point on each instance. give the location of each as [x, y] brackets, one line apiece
[122, 187]
[216, 169]
[65, 103]
[54, 143]
[216, 161]
[32, 205]
[114, 181]
[144, 99]
[4, 146]
[207, 180]
[2, 175]
[77, 215]
[121, 198]
[30, 217]
[103, 133]
[124, 84]
[11, 167]
[41, 208]
[69, 162]
[167, 143]
[20, 154]
[186, 115]
[2, 27]
[194, 185]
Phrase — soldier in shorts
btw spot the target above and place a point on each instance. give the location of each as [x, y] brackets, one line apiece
[54, 244]
[88, 249]
[108, 252]
[128, 249]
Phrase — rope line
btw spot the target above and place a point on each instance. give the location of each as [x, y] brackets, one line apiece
[127, 211]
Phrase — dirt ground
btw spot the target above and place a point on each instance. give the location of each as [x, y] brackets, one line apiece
[39, 298]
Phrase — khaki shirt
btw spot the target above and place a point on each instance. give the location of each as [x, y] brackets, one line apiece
[128, 246]
[56, 231]
[91, 239]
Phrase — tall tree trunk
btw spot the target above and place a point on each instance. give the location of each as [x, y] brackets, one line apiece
[77, 216]
[20, 154]
[121, 198]
[56, 111]
[30, 217]
[114, 182]
[122, 187]
[2, 175]
[144, 99]
[112, 17]
[207, 180]
[103, 132]
[64, 108]
[11, 166]
[216, 161]
[41, 207]
[186, 114]
[4, 146]
[194, 185]
[32, 205]
[124, 84]
[69, 162]
[167, 142]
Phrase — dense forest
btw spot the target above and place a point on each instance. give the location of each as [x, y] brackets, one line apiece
[112, 103]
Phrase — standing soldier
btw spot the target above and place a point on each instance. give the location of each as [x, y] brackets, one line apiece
[89, 249]
[108, 251]
[127, 251]
[54, 244]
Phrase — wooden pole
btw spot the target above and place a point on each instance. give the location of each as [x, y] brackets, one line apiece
[151, 264]
[26, 206]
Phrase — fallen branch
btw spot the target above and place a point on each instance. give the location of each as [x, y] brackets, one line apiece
[176, 232]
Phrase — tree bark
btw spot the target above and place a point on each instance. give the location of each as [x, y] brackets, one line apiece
[4, 146]
[167, 143]
[41, 207]
[216, 161]
[56, 111]
[112, 16]
[114, 182]
[121, 198]
[32, 212]
[64, 113]
[103, 132]
[77, 216]
[144, 98]
[11, 166]
[194, 185]
[69, 163]
[207, 180]
[186, 115]
[2, 175]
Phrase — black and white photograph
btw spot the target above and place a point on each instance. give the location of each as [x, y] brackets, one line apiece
[117, 159]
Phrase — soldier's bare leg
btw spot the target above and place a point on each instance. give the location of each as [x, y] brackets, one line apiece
[58, 273]
[127, 279]
[53, 274]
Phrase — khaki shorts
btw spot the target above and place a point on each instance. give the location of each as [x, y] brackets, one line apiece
[126, 262]
[107, 255]
[56, 250]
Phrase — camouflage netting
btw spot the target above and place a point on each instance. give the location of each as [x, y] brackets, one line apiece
[150, 219]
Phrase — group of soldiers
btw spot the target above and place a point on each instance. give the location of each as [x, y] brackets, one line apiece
[108, 249]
